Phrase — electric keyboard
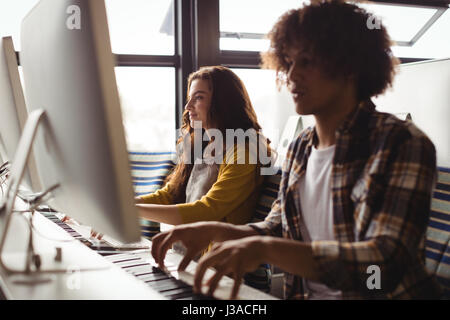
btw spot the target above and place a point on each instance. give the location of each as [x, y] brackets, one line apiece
[92, 269]
[144, 269]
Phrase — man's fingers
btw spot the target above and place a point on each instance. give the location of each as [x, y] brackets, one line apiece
[163, 247]
[237, 284]
[214, 280]
[210, 259]
[185, 262]
[198, 277]
[155, 245]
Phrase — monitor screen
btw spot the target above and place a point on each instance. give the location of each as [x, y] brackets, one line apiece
[68, 71]
[13, 113]
[422, 91]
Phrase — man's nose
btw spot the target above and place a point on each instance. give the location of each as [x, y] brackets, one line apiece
[291, 71]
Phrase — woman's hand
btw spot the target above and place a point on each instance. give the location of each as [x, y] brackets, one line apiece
[235, 258]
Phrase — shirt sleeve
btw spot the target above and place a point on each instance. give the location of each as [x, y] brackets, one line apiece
[236, 181]
[271, 226]
[161, 196]
[396, 211]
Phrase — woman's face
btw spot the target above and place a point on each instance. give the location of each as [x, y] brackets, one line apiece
[199, 102]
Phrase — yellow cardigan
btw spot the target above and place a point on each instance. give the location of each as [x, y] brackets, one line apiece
[232, 198]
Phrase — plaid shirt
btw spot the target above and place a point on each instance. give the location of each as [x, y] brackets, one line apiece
[382, 177]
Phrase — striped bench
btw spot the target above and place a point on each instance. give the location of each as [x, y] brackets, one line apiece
[148, 171]
[437, 249]
[261, 278]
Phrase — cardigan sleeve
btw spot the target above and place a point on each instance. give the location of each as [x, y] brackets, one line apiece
[161, 196]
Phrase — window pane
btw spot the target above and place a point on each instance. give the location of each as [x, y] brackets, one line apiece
[11, 15]
[141, 26]
[250, 16]
[245, 29]
[403, 23]
[147, 96]
[272, 107]
[433, 44]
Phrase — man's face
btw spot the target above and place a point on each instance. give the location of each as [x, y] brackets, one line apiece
[314, 92]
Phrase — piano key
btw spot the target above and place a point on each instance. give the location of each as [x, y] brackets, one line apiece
[153, 277]
[138, 271]
[168, 284]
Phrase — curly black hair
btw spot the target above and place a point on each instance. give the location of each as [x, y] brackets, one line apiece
[344, 40]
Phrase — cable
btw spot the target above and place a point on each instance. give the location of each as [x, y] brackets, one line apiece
[34, 203]
[30, 224]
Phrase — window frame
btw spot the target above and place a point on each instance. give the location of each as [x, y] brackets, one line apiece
[197, 43]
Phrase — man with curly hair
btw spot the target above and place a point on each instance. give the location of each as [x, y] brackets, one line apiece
[355, 191]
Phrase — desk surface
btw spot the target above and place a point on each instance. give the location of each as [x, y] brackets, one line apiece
[104, 281]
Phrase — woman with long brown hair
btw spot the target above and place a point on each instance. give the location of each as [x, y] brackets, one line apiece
[218, 185]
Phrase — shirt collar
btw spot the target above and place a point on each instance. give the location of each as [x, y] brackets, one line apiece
[355, 122]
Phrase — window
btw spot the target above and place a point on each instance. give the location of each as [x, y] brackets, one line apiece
[272, 107]
[148, 107]
[418, 32]
[155, 46]
[142, 37]
[141, 26]
[245, 28]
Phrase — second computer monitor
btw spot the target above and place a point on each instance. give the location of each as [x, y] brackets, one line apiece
[13, 112]
[68, 70]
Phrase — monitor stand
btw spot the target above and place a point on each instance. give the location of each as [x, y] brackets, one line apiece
[33, 255]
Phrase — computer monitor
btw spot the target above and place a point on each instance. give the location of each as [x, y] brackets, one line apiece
[422, 90]
[13, 113]
[68, 70]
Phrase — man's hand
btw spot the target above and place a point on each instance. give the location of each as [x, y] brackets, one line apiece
[196, 237]
[235, 258]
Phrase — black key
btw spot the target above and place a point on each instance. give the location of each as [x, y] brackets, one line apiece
[182, 296]
[153, 277]
[126, 260]
[198, 297]
[168, 284]
[107, 253]
[136, 265]
[178, 293]
[143, 271]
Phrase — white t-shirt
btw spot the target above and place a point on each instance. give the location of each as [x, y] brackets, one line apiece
[317, 209]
